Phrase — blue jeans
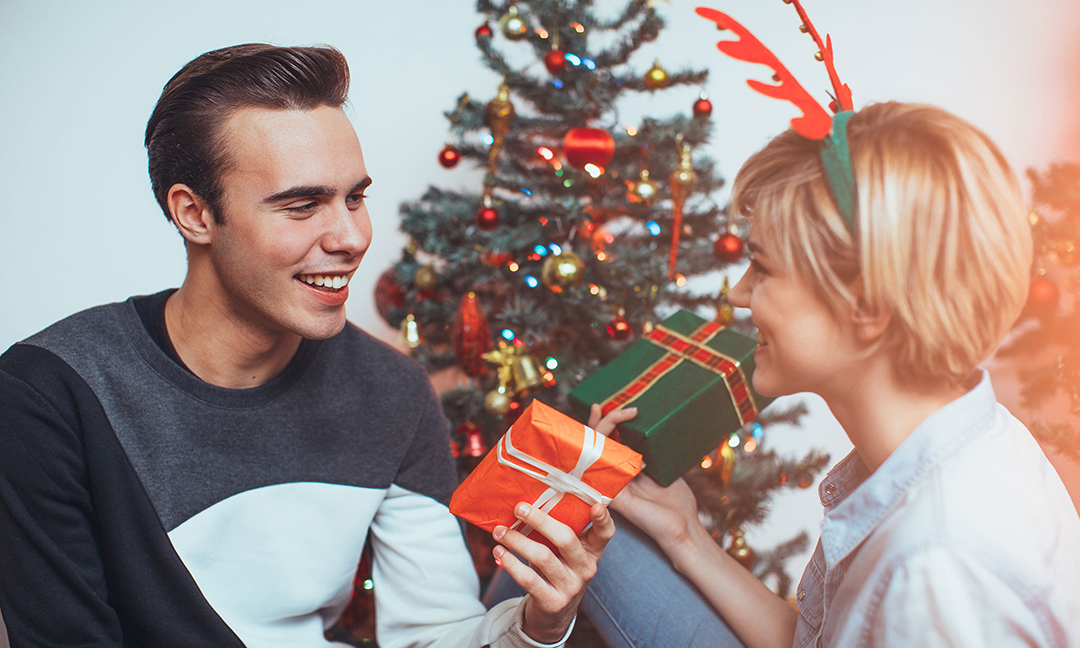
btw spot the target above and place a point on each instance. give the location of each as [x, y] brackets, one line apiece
[637, 600]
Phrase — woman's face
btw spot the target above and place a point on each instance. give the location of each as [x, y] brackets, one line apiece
[802, 346]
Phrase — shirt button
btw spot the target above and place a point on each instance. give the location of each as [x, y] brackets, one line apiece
[802, 594]
[830, 489]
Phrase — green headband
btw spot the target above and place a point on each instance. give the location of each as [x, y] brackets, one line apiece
[836, 158]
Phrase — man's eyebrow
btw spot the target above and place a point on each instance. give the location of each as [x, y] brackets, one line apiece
[305, 191]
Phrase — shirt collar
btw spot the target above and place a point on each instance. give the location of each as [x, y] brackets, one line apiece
[857, 501]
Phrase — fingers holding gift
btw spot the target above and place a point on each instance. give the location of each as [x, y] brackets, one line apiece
[606, 424]
[596, 537]
[575, 563]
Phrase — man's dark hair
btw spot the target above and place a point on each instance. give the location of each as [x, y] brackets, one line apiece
[184, 135]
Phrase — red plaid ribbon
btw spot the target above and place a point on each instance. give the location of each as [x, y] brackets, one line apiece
[690, 349]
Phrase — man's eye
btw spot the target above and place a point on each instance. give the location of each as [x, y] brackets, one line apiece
[357, 198]
[302, 209]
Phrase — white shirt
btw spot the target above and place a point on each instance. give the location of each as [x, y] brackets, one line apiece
[964, 536]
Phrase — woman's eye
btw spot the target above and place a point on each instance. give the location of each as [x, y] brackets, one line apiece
[756, 266]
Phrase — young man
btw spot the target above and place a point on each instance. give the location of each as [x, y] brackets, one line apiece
[201, 467]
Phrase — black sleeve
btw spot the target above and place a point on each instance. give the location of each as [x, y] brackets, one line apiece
[53, 589]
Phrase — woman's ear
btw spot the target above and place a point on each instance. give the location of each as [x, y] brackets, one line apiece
[869, 321]
[190, 213]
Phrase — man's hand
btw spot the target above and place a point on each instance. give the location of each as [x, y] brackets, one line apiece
[555, 584]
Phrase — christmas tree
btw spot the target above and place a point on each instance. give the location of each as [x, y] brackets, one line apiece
[585, 233]
[1050, 325]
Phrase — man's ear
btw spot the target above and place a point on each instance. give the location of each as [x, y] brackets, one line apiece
[190, 213]
[870, 322]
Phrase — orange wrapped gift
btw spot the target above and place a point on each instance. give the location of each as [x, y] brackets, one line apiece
[550, 460]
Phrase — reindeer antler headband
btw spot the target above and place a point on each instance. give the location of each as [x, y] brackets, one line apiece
[814, 123]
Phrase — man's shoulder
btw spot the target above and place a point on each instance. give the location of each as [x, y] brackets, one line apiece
[82, 330]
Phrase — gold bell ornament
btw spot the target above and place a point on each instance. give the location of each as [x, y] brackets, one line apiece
[410, 332]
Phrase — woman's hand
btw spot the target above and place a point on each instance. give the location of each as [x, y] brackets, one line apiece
[666, 514]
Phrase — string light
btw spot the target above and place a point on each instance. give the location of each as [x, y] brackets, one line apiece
[578, 27]
[487, 138]
[368, 584]
[631, 131]
[557, 83]
[654, 228]
[750, 445]
[513, 266]
[507, 334]
[545, 153]
[574, 59]
[551, 363]
[734, 440]
[706, 462]
[601, 256]
[680, 280]
[540, 249]
[593, 170]
[758, 431]
[555, 248]
[594, 289]
[568, 183]
[531, 281]
[589, 63]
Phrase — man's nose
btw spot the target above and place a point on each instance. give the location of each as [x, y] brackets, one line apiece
[348, 230]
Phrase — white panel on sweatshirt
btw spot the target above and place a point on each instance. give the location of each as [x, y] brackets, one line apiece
[277, 563]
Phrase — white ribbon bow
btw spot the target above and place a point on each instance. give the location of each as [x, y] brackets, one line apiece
[558, 482]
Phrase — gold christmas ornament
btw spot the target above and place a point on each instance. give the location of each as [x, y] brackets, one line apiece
[513, 25]
[682, 181]
[524, 372]
[645, 190]
[498, 113]
[497, 401]
[562, 270]
[725, 312]
[503, 359]
[410, 332]
[426, 278]
[656, 77]
[740, 551]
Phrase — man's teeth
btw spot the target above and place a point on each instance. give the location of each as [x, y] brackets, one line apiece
[333, 282]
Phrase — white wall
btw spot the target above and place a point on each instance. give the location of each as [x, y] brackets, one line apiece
[79, 79]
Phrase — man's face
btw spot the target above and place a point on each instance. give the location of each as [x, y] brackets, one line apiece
[295, 222]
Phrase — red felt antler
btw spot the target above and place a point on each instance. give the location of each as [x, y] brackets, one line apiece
[843, 92]
[815, 123]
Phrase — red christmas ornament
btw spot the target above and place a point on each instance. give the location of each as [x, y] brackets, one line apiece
[555, 61]
[1043, 297]
[618, 328]
[588, 146]
[388, 295]
[483, 31]
[474, 445]
[702, 107]
[514, 412]
[471, 334]
[487, 218]
[449, 156]
[728, 248]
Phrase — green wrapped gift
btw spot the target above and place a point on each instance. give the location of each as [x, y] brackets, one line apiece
[690, 382]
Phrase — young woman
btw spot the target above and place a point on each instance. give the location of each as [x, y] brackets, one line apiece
[946, 525]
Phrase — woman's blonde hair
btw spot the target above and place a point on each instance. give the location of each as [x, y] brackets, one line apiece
[943, 236]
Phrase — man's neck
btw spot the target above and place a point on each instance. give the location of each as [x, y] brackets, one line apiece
[219, 345]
